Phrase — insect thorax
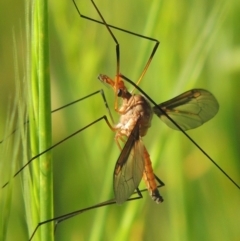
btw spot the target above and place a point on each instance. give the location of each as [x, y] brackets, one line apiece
[131, 110]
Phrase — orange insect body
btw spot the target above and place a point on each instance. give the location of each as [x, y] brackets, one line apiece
[184, 112]
[135, 110]
[149, 179]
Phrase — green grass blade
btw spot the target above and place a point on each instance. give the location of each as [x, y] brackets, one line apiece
[40, 118]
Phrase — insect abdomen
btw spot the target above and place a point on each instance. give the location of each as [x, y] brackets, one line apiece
[149, 179]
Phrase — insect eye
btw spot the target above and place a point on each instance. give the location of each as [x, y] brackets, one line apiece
[119, 93]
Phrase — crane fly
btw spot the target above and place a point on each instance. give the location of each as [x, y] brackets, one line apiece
[136, 115]
[189, 110]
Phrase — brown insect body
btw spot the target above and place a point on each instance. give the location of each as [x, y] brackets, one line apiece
[134, 161]
[133, 109]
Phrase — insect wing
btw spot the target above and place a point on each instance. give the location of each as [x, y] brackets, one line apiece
[189, 110]
[129, 167]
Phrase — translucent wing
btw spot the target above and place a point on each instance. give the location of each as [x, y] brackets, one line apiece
[129, 167]
[189, 110]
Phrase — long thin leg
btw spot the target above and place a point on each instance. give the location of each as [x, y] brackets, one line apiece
[117, 44]
[69, 104]
[184, 132]
[67, 216]
[161, 183]
[73, 134]
[58, 143]
[86, 97]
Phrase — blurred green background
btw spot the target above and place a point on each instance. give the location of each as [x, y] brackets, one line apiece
[200, 48]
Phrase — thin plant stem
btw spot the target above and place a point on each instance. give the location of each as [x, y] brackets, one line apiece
[40, 118]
